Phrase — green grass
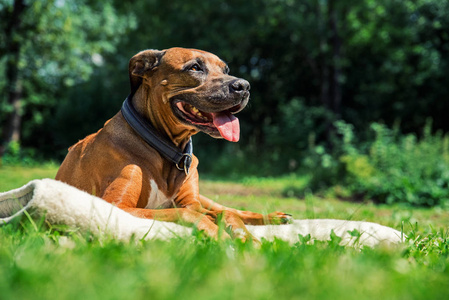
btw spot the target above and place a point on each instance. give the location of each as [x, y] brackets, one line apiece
[40, 261]
[269, 194]
[12, 177]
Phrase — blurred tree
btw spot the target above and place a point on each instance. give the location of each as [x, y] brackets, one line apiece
[399, 54]
[309, 63]
[45, 47]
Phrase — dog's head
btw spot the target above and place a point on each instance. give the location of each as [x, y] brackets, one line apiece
[194, 87]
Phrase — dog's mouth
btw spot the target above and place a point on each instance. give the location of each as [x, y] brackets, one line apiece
[220, 123]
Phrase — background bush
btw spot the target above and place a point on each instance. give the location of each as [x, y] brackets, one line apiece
[390, 168]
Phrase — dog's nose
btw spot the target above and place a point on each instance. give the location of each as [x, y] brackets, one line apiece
[239, 85]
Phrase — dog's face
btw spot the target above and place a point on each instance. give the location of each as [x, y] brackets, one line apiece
[196, 86]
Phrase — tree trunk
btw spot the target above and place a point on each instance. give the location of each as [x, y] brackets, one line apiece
[13, 120]
[324, 76]
[330, 60]
[335, 86]
[325, 83]
[11, 127]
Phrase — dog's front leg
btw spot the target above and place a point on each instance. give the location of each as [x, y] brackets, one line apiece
[189, 197]
[126, 190]
[248, 217]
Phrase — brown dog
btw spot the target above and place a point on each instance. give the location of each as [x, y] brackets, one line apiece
[135, 161]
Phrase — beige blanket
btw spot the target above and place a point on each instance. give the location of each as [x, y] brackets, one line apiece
[60, 203]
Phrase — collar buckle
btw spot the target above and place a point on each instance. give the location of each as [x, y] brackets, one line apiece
[187, 161]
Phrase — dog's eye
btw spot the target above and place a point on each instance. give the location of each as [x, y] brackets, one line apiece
[195, 68]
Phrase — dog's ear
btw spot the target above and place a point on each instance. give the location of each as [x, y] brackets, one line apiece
[141, 65]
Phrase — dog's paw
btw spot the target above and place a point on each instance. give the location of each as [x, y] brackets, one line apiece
[245, 237]
[278, 217]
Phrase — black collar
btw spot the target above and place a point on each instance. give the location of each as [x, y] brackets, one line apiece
[182, 159]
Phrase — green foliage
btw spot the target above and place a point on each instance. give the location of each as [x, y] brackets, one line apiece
[16, 155]
[429, 247]
[59, 43]
[392, 168]
[402, 169]
[391, 65]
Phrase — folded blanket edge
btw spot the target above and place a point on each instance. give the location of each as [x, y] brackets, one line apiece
[13, 203]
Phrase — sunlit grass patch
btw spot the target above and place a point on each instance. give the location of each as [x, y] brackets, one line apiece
[12, 177]
[40, 263]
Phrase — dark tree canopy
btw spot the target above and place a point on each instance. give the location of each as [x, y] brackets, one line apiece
[309, 62]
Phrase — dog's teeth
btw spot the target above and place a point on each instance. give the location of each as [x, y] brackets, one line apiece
[195, 110]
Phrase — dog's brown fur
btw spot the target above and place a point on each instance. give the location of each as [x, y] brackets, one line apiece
[118, 166]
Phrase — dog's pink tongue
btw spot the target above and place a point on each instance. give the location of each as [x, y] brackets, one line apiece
[228, 126]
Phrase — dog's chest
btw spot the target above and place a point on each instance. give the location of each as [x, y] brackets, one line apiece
[157, 198]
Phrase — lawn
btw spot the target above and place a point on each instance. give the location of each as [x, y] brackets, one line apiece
[15, 176]
[40, 261]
